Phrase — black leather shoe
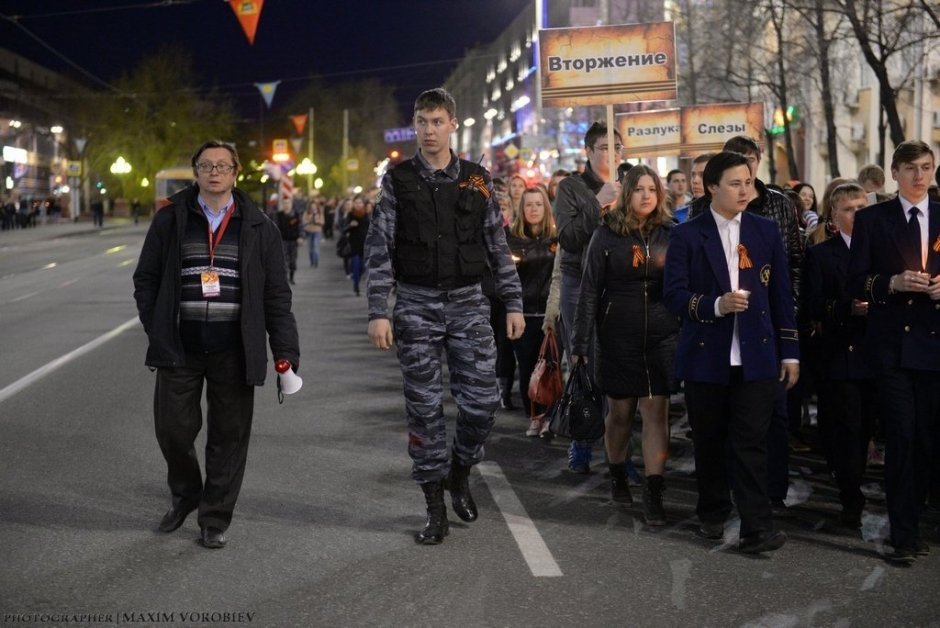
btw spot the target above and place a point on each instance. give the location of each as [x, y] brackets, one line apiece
[850, 520]
[175, 517]
[213, 538]
[712, 530]
[902, 556]
[762, 542]
[921, 548]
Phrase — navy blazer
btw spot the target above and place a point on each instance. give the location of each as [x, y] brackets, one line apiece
[696, 276]
[903, 328]
[828, 302]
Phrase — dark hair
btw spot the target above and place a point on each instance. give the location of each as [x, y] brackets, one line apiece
[598, 129]
[937, 176]
[561, 172]
[742, 144]
[907, 152]
[716, 166]
[704, 157]
[798, 188]
[672, 173]
[437, 98]
[216, 144]
[623, 169]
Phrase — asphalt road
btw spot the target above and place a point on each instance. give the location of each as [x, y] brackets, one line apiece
[323, 530]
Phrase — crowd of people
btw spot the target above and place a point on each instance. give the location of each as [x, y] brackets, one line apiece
[745, 302]
[598, 261]
[24, 213]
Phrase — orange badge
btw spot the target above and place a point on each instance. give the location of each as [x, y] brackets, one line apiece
[743, 260]
[936, 245]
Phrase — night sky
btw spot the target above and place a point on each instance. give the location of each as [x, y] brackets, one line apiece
[335, 39]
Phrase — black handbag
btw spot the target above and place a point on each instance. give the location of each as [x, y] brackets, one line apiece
[578, 414]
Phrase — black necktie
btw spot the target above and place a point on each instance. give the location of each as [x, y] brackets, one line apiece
[913, 228]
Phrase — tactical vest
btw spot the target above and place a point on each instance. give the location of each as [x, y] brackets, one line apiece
[439, 230]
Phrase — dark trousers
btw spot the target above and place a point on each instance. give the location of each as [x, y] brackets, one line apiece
[846, 419]
[909, 406]
[505, 358]
[526, 350]
[737, 413]
[778, 447]
[178, 420]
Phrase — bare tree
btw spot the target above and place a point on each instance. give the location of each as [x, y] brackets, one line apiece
[884, 28]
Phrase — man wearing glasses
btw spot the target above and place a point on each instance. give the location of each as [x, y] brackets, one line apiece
[209, 284]
[578, 206]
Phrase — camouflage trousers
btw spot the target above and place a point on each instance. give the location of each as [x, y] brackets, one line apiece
[457, 321]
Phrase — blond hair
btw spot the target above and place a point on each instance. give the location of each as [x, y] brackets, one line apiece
[547, 227]
[621, 219]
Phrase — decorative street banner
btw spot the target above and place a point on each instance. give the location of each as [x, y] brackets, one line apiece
[649, 133]
[607, 65]
[267, 91]
[706, 128]
[248, 12]
[300, 121]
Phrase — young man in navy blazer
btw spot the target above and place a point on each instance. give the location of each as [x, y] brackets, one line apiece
[727, 277]
[894, 265]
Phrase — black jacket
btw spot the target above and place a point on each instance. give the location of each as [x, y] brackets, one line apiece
[535, 259]
[266, 295]
[828, 303]
[577, 214]
[774, 205]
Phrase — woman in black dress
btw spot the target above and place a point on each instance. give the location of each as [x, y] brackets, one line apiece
[621, 293]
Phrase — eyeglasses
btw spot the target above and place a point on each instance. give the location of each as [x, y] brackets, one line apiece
[205, 167]
[605, 147]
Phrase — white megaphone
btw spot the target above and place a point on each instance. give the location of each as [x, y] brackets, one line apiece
[289, 381]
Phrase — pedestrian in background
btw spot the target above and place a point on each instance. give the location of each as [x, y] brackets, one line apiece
[210, 286]
[355, 228]
[845, 388]
[313, 229]
[288, 223]
[578, 207]
[434, 230]
[533, 244]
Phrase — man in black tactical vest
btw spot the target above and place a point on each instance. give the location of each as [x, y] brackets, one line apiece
[435, 227]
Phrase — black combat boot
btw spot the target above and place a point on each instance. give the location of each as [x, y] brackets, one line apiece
[653, 511]
[619, 487]
[458, 482]
[436, 527]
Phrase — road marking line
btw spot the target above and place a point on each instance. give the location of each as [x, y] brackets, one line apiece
[42, 371]
[25, 296]
[534, 550]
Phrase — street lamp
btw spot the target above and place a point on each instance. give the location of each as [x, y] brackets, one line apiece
[308, 168]
[120, 166]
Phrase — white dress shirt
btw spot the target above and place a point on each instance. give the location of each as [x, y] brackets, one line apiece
[729, 229]
[924, 219]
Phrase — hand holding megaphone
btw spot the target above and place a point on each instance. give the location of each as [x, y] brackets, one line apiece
[288, 380]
